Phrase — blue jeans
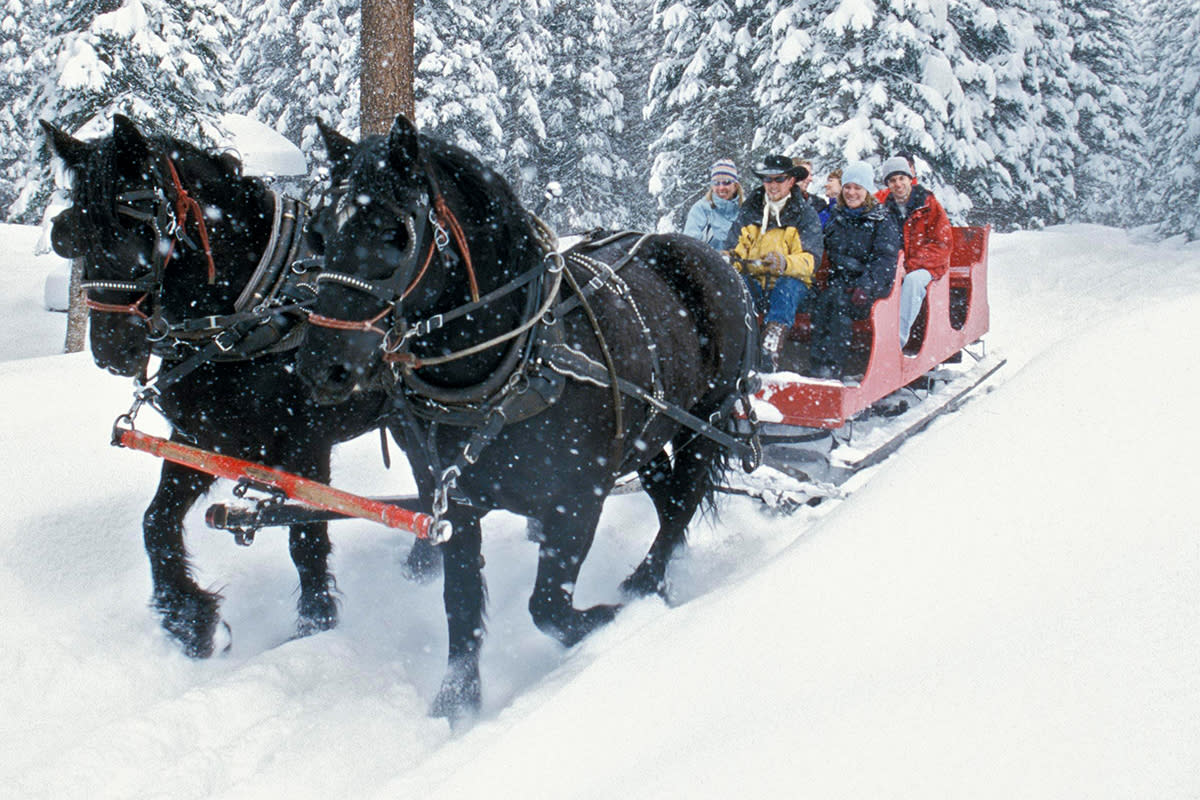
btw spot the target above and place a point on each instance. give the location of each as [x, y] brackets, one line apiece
[783, 300]
[912, 297]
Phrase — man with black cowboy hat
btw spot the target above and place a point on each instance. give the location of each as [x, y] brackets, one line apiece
[776, 244]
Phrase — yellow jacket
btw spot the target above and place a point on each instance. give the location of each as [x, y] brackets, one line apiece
[802, 258]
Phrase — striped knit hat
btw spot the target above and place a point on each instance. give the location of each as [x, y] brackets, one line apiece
[724, 170]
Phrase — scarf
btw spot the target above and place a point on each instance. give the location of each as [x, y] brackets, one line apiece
[775, 206]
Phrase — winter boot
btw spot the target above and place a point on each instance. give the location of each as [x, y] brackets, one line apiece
[772, 344]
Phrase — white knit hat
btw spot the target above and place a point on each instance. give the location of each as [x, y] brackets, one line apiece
[859, 172]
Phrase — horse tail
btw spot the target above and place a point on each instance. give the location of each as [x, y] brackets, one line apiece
[716, 475]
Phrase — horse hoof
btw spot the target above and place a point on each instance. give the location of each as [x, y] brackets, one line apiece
[308, 626]
[643, 583]
[316, 614]
[424, 562]
[222, 639]
[575, 626]
[459, 698]
[194, 620]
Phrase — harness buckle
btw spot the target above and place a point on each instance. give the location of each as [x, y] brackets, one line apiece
[225, 340]
[428, 326]
[441, 493]
[441, 236]
[157, 329]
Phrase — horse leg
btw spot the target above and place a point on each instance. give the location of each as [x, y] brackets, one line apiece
[189, 613]
[463, 595]
[566, 538]
[676, 491]
[310, 547]
[424, 558]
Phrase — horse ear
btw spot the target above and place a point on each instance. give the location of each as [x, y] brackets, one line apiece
[403, 145]
[128, 140]
[339, 147]
[71, 150]
[231, 163]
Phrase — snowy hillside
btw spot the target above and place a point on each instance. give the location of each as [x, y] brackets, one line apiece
[1006, 608]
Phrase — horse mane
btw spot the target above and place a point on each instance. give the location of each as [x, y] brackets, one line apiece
[474, 179]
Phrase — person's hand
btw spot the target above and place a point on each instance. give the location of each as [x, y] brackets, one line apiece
[859, 297]
[775, 263]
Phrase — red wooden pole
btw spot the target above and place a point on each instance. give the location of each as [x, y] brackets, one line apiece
[309, 492]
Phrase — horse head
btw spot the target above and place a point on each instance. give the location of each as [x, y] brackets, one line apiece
[406, 222]
[106, 227]
[143, 208]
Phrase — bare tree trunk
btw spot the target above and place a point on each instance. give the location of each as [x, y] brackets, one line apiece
[77, 313]
[387, 64]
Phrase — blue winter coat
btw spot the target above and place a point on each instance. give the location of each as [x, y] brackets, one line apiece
[710, 221]
[861, 248]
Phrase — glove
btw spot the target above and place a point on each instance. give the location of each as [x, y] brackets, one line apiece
[859, 297]
[775, 263]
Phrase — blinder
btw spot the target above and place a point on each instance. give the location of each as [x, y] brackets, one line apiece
[390, 290]
[64, 234]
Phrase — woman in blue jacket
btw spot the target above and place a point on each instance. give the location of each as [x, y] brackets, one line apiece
[711, 217]
[862, 243]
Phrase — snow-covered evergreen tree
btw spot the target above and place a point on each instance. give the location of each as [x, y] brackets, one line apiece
[520, 46]
[633, 69]
[698, 98]
[1106, 83]
[162, 63]
[22, 33]
[846, 80]
[1033, 131]
[457, 91]
[300, 63]
[583, 110]
[1173, 116]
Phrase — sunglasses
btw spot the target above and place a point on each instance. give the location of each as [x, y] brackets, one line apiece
[776, 179]
[723, 183]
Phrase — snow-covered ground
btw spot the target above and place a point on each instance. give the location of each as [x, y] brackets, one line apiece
[1007, 608]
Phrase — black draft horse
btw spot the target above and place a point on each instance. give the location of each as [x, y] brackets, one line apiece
[438, 279]
[179, 248]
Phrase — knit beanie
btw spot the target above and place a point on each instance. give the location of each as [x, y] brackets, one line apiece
[723, 170]
[893, 165]
[859, 172]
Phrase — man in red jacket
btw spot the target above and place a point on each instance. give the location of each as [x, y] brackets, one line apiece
[927, 238]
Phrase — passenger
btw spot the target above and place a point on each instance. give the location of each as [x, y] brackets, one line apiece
[818, 203]
[927, 238]
[776, 245]
[833, 187]
[862, 243]
[882, 194]
[711, 217]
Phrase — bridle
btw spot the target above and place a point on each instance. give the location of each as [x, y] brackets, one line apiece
[395, 339]
[169, 221]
